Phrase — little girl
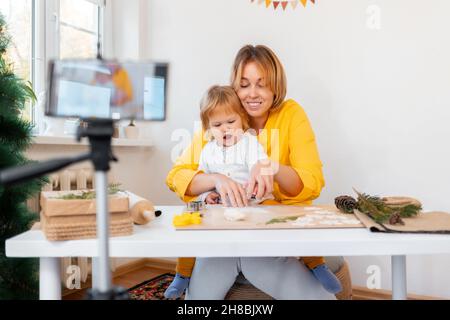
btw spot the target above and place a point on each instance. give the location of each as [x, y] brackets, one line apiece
[233, 152]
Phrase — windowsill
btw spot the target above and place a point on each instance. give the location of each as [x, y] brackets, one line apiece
[71, 141]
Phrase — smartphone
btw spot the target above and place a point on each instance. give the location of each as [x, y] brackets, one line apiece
[107, 89]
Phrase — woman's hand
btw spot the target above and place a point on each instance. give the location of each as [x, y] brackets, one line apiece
[260, 184]
[212, 198]
[231, 190]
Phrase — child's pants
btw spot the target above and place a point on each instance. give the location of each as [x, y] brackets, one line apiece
[185, 265]
[282, 278]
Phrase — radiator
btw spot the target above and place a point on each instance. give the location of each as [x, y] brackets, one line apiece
[66, 180]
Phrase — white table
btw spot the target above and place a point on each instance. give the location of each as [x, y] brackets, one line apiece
[160, 239]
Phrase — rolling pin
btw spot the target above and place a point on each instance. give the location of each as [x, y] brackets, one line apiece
[142, 210]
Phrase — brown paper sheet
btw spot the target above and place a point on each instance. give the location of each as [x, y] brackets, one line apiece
[427, 222]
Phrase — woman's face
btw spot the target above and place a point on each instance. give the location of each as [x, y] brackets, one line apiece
[255, 95]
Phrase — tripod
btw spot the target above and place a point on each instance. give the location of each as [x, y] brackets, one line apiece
[99, 132]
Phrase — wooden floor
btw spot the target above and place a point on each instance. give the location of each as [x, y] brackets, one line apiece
[141, 273]
[144, 273]
[128, 280]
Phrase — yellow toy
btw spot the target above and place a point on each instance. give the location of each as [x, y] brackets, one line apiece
[186, 219]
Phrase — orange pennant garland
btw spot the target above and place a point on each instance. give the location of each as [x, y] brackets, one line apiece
[284, 3]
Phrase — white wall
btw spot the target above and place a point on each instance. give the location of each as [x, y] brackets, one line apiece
[378, 100]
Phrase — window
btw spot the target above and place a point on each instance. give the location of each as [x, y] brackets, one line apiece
[79, 29]
[45, 29]
[19, 17]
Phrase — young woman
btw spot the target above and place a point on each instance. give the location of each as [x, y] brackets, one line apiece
[294, 177]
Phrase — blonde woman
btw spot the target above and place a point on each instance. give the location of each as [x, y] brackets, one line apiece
[293, 176]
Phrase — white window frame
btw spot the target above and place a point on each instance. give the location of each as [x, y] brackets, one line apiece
[46, 45]
[39, 68]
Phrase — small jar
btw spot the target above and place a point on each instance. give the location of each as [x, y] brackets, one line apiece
[131, 131]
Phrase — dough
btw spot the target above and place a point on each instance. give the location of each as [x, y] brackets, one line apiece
[234, 215]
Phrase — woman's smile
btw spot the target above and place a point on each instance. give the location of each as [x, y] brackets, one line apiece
[253, 105]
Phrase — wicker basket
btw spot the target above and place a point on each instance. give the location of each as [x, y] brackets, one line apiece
[344, 276]
[249, 292]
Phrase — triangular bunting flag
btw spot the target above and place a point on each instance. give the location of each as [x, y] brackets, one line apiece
[284, 3]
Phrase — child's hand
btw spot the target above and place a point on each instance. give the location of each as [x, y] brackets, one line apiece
[212, 198]
[230, 191]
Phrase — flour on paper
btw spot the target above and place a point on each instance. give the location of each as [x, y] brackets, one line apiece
[311, 209]
[324, 217]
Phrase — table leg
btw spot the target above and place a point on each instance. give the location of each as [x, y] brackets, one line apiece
[49, 279]
[94, 272]
[398, 264]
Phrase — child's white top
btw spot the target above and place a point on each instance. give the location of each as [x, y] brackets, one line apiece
[235, 161]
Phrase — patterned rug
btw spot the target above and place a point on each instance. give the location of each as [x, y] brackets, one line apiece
[152, 289]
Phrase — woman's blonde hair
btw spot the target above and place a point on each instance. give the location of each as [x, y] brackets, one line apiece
[268, 63]
[225, 98]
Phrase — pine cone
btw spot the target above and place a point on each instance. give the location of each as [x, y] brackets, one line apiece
[346, 204]
[396, 219]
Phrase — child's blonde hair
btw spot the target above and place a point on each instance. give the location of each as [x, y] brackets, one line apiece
[225, 98]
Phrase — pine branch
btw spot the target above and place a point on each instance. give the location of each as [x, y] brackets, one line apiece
[16, 132]
[5, 39]
[382, 212]
[14, 93]
[409, 211]
[372, 206]
[18, 277]
[113, 188]
[9, 158]
[282, 219]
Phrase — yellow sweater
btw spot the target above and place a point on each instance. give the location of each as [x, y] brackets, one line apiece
[287, 138]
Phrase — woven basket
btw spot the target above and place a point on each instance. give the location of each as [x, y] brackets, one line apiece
[249, 292]
[344, 276]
